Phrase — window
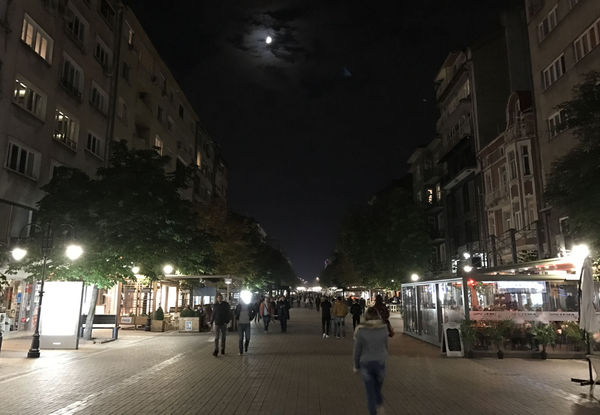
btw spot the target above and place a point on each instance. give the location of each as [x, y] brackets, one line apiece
[547, 25]
[29, 98]
[526, 162]
[504, 180]
[130, 34]
[199, 159]
[121, 109]
[22, 160]
[102, 54]
[98, 98]
[94, 144]
[438, 192]
[512, 163]
[429, 196]
[72, 77]
[488, 182]
[125, 71]
[158, 145]
[419, 196]
[66, 129]
[587, 41]
[181, 112]
[554, 71]
[107, 12]
[75, 25]
[557, 123]
[38, 40]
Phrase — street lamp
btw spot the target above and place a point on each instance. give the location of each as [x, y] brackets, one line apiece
[168, 269]
[72, 252]
[414, 277]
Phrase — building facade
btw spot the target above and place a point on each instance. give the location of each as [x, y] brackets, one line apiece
[74, 76]
[564, 36]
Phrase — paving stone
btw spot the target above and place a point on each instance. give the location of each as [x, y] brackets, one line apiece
[293, 373]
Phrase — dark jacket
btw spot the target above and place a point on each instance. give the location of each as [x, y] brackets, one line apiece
[326, 309]
[221, 313]
[356, 309]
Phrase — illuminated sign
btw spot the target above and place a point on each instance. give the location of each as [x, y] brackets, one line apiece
[532, 287]
[61, 311]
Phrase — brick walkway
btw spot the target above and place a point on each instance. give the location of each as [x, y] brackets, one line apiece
[293, 373]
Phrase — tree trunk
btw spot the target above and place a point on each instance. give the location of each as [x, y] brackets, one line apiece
[87, 334]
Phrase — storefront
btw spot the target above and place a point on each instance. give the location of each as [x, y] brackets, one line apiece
[18, 305]
[541, 291]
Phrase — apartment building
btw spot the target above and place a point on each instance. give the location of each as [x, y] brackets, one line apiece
[564, 36]
[511, 185]
[75, 75]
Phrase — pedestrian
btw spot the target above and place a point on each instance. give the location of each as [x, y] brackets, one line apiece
[340, 309]
[266, 311]
[325, 316]
[220, 317]
[244, 313]
[256, 307]
[283, 314]
[356, 312]
[384, 313]
[317, 303]
[370, 354]
[363, 304]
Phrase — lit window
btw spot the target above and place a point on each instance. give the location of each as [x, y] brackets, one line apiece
[547, 25]
[27, 97]
[158, 145]
[554, 71]
[438, 192]
[38, 40]
[199, 159]
[430, 196]
[22, 160]
[94, 144]
[587, 41]
[130, 34]
[66, 129]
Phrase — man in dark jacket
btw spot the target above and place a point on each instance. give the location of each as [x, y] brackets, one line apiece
[325, 316]
[356, 311]
[220, 316]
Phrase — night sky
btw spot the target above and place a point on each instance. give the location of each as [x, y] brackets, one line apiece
[324, 116]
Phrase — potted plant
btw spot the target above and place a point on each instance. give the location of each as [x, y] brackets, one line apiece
[574, 335]
[469, 335]
[188, 321]
[158, 322]
[498, 332]
[545, 335]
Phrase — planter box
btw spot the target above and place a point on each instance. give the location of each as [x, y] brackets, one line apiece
[189, 324]
[158, 325]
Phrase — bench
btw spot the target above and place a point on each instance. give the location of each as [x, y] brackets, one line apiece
[101, 321]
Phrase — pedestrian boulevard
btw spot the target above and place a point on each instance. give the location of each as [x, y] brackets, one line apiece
[298, 372]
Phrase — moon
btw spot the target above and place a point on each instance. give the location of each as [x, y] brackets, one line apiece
[268, 40]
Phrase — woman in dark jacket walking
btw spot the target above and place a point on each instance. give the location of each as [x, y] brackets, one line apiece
[384, 313]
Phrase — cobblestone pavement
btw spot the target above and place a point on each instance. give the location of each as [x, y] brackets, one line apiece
[293, 373]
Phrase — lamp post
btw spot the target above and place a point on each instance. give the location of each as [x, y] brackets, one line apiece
[73, 252]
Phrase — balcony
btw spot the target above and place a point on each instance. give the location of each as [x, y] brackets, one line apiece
[62, 138]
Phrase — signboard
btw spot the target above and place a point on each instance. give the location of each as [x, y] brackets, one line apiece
[126, 320]
[61, 310]
[188, 325]
[452, 343]
[520, 316]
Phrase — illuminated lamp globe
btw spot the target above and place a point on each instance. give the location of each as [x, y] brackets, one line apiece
[580, 251]
[168, 269]
[18, 253]
[414, 277]
[246, 296]
[467, 268]
[135, 270]
[466, 255]
[74, 251]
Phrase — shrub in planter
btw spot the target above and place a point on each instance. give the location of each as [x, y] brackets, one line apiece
[187, 312]
[545, 335]
[469, 335]
[574, 335]
[159, 314]
[158, 323]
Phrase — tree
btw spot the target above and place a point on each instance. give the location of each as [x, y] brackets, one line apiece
[573, 185]
[132, 213]
[386, 239]
[339, 272]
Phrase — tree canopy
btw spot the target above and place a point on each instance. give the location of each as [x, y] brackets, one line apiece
[132, 213]
[573, 184]
[381, 241]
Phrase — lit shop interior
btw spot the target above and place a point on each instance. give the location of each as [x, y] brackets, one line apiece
[537, 292]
